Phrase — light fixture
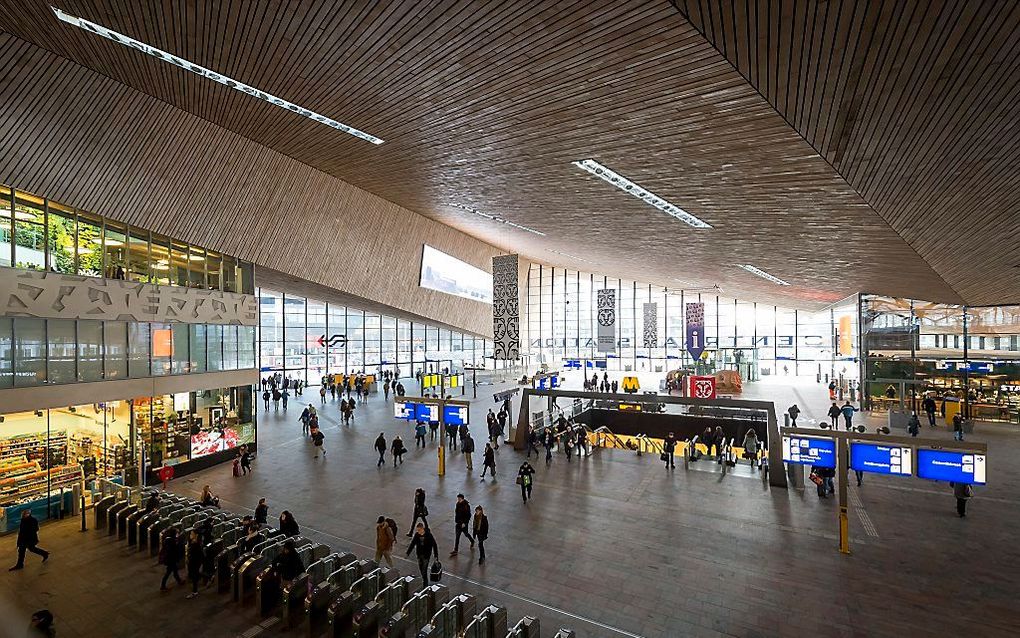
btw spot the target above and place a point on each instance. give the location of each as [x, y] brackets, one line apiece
[558, 252]
[120, 38]
[196, 258]
[645, 195]
[109, 242]
[764, 275]
[494, 218]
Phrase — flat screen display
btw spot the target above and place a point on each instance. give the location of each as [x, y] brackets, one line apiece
[425, 412]
[949, 465]
[455, 414]
[807, 450]
[881, 459]
[448, 274]
[403, 410]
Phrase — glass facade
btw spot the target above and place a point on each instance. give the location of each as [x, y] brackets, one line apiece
[55, 351]
[967, 357]
[759, 339]
[308, 339]
[40, 234]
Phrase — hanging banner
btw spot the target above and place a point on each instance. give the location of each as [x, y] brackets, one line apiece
[506, 319]
[696, 329]
[607, 320]
[651, 331]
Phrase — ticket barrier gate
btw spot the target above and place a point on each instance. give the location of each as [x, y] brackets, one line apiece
[133, 520]
[157, 531]
[347, 569]
[340, 616]
[451, 619]
[112, 512]
[293, 597]
[224, 532]
[145, 522]
[528, 627]
[488, 623]
[565, 633]
[368, 619]
[416, 612]
[101, 508]
[226, 558]
[250, 566]
[268, 590]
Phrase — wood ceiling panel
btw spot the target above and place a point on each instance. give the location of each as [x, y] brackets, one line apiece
[487, 103]
[917, 105]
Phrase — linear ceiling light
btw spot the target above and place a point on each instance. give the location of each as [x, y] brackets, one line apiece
[645, 195]
[494, 218]
[587, 261]
[120, 38]
[764, 275]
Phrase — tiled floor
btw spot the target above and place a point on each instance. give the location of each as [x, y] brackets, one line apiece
[611, 546]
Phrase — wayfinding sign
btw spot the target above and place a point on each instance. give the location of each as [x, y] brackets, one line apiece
[881, 459]
[807, 450]
[951, 465]
[455, 414]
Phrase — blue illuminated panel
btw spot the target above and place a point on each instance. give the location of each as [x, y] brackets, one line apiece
[403, 410]
[455, 414]
[807, 450]
[950, 465]
[425, 412]
[881, 459]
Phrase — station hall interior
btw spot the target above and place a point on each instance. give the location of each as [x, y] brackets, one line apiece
[692, 318]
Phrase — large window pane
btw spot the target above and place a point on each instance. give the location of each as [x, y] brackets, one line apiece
[29, 232]
[62, 238]
[180, 352]
[197, 331]
[90, 350]
[160, 256]
[162, 349]
[6, 352]
[230, 347]
[115, 361]
[138, 349]
[214, 347]
[6, 227]
[196, 267]
[245, 347]
[139, 268]
[228, 275]
[90, 245]
[115, 247]
[213, 264]
[178, 264]
[29, 351]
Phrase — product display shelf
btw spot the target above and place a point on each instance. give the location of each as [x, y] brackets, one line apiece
[32, 485]
[33, 446]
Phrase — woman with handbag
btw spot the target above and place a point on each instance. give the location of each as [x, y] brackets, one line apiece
[524, 479]
[398, 450]
[481, 530]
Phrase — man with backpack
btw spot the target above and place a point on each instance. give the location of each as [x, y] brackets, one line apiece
[385, 538]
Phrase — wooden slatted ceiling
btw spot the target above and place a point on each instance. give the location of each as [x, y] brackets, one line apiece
[94, 143]
[915, 103]
[487, 103]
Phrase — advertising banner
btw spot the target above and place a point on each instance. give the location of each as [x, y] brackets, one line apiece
[506, 318]
[607, 320]
[651, 325]
[695, 329]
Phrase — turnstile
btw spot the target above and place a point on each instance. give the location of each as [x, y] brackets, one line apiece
[451, 619]
[368, 619]
[292, 599]
[268, 590]
[416, 612]
[341, 611]
[527, 627]
[488, 623]
[248, 566]
[320, 595]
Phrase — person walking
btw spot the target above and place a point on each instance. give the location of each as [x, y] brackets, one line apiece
[794, 412]
[493, 426]
[288, 526]
[384, 541]
[525, 477]
[28, 539]
[481, 529]
[928, 405]
[245, 460]
[419, 434]
[719, 439]
[962, 492]
[958, 427]
[467, 447]
[170, 556]
[265, 399]
[288, 565]
[424, 547]
[276, 399]
[196, 558]
[305, 418]
[322, 394]
[532, 443]
[433, 430]
[386, 390]
[668, 448]
[848, 414]
[398, 450]
[262, 513]
[834, 413]
[501, 418]
[317, 439]
[489, 461]
[285, 395]
[451, 436]
[914, 425]
[420, 510]
[380, 447]
[751, 447]
[461, 520]
[548, 442]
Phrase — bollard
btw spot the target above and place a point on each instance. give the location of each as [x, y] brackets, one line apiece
[84, 525]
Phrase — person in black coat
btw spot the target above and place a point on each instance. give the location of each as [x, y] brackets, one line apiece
[288, 525]
[420, 510]
[380, 447]
[481, 528]
[262, 512]
[461, 519]
[488, 461]
[287, 564]
[152, 504]
[196, 558]
[424, 545]
[170, 554]
[28, 539]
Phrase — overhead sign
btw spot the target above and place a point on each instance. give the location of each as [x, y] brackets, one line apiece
[403, 410]
[702, 387]
[455, 414]
[572, 364]
[630, 384]
[334, 341]
[881, 459]
[549, 382]
[500, 397]
[961, 366]
[950, 465]
[807, 450]
[695, 321]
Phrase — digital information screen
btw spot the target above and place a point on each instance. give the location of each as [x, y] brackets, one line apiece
[425, 412]
[949, 465]
[549, 383]
[881, 459]
[455, 414]
[402, 410]
[809, 451]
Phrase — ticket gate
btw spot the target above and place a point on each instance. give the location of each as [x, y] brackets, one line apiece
[528, 627]
[251, 565]
[451, 619]
[368, 619]
[227, 556]
[416, 612]
[488, 623]
[145, 522]
[121, 524]
[112, 512]
[292, 600]
[347, 569]
[101, 508]
[565, 633]
[157, 531]
[340, 616]
[268, 590]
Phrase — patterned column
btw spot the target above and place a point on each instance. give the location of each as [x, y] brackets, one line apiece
[506, 317]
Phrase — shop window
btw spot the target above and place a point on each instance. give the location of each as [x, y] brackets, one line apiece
[29, 351]
[138, 256]
[90, 350]
[115, 350]
[159, 251]
[214, 348]
[138, 349]
[89, 247]
[115, 249]
[213, 264]
[163, 424]
[6, 227]
[60, 358]
[196, 267]
[29, 232]
[34, 465]
[197, 338]
[162, 349]
[228, 276]
[62, 231]
[180, 352]
[6, 352]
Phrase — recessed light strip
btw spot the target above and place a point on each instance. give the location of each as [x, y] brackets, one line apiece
[587, 261]
[495, 218]
[764, 275]
[120, 38]
[645, 195]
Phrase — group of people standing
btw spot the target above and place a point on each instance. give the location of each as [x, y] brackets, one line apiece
[603, 385]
